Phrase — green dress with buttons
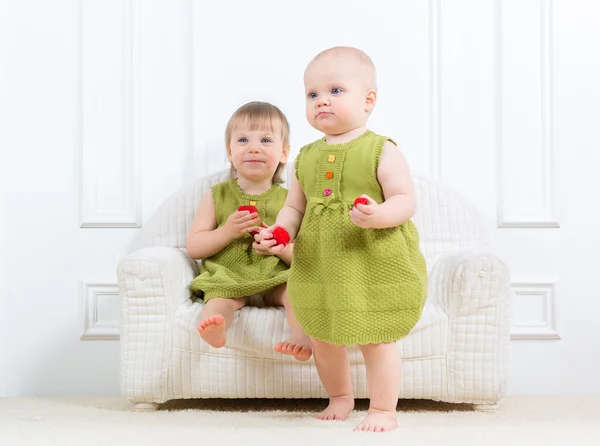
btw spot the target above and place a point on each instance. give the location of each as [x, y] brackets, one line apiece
[350, 285]
[237, 270]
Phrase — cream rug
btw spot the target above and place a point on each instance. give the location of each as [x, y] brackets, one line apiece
[572, 421]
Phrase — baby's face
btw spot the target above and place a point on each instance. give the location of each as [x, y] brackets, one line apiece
[337, 95]
[256, 152]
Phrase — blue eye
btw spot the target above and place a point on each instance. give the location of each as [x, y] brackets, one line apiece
[242, 140]
[266, 140]
[312, 95]
[336, 91]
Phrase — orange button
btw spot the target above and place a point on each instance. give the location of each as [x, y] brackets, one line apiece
[329, 175]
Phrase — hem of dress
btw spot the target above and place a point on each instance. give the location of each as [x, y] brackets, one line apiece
[360, 340]
[207, 295]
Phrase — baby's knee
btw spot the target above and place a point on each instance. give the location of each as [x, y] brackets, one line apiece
[277, 296]
[380, 348]
[223, 303]
[325, 346]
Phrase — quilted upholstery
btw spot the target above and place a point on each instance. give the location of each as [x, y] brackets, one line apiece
[458, 352]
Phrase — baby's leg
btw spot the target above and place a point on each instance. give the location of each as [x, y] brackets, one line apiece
[384, 371]
[217, 316]
[334, 371]
[299, 344]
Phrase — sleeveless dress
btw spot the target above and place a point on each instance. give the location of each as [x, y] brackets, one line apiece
[350, 285]
[237, 270]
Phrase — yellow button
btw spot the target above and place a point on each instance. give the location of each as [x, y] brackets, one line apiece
[331, 158]
[253, 203]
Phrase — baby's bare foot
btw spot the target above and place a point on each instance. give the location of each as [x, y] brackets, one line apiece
[299, 349]
[212, 330]
[338, 409]
[378, 421]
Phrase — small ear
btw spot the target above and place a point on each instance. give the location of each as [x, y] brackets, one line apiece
[370, 100]
[229, 157]
[284, 154]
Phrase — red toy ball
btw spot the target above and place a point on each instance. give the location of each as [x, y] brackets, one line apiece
[251, 209]
[361, 200]
[281, 236]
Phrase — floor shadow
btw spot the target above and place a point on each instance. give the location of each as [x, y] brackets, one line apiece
[302, 405]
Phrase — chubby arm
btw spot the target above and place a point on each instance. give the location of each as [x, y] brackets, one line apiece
[206, 239]
[289, 217]
[396, 181]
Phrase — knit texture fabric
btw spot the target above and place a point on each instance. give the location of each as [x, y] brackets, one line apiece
[237, 270]
[350, 285]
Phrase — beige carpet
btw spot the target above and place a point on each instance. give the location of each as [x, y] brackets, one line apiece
[572, 421]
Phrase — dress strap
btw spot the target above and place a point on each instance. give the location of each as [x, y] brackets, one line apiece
[381, 140]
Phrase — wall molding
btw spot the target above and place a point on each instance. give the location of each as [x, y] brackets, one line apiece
[189, 86]
[200, 159]
[545, 328]
[545, 217]
[435, 76]
[96, 108]
[91, 328]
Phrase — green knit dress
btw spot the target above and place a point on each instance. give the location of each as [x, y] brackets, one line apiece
[350, 285]
[237, 270]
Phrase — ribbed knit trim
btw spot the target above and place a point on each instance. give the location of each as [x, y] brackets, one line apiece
[356, 141]
[238, 191]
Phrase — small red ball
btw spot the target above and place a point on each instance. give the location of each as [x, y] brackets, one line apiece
[281, 236]
[251, 209]
[361, 200]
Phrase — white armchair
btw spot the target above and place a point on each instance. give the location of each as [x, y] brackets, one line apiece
[458, 351]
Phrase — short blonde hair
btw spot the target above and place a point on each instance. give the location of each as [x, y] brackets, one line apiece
[258, 115]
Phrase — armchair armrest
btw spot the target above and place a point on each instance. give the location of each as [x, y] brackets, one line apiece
[473, 287]
[159, 273]
[153, 283]
[469, 280]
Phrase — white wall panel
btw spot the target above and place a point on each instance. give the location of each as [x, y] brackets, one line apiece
[108, 107]
[100, 308]
[109, 177]
[534, 312]
[525, 158]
